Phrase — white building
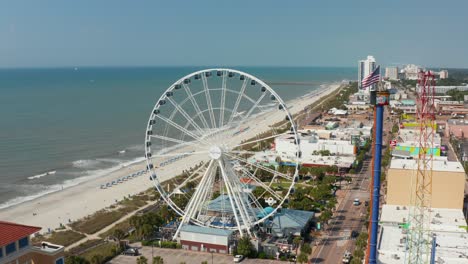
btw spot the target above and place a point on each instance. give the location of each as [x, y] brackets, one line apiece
[365, 67]
[411, 72]
[311, 145]
[448, 226]
[391, 73]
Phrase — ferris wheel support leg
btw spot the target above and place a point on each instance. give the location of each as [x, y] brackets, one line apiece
[241, 198]
[190, 205]
[231, 200]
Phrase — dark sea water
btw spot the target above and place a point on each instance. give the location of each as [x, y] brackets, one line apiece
[75, 121]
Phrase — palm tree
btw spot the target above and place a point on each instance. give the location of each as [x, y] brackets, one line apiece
[158, 260]
[302, 258]
[142, 260]
[297, 242]
[118, 234]
[97, 259]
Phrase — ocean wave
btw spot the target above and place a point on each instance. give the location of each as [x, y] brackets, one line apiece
[41, 175]
[41, 190]
[81, 164]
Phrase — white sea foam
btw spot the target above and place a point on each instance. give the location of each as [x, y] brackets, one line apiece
[82, 164]
[89, 175]
[41, 175]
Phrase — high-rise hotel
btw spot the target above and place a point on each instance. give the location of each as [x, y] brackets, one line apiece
[365, 68]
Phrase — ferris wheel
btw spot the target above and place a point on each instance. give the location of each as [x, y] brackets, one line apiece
[223, 123]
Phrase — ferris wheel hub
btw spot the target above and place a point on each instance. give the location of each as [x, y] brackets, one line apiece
[215, 152]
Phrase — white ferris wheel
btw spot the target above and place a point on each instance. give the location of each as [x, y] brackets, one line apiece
[223, 122]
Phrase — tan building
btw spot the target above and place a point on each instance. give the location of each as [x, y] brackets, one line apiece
[16, 248]
[448, 183]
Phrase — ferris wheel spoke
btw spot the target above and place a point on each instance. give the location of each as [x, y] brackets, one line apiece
[287, 177]
[195, 104]
[223, 100]
[190, 178]
[208, 101]
[255, 141]
[182, 129]
[262, 184]
[169, 139]
[172, 154]
[187, 116]
[247, 116]
[239, 97]
[242, 152]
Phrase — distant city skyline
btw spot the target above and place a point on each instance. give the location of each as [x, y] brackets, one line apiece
[53, 33]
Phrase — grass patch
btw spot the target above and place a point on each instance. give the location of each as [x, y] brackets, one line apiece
[125, 225]
[64, 238]
[83, 247]
[97, 221]
[101, 219]
[106, 250]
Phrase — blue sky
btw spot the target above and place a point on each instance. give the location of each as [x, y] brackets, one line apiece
[50, 33]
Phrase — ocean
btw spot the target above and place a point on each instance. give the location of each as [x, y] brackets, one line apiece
[63, 126]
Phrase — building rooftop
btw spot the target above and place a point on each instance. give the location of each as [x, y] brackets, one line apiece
[452, 247]
[437, 165]
[206, 230]
[289, 220]
[448, 225]
[458, 122]
[442, 219]
[11, 232]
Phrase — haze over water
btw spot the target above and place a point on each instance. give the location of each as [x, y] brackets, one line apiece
[75, 121]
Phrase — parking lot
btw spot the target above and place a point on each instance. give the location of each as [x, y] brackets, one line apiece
[177, 256]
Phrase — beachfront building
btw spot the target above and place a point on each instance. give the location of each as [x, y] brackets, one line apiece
[206, 239]
[410, 72]
[391, 73]
[16, 248]
[447, 225]
[448, 183]
[366, 67]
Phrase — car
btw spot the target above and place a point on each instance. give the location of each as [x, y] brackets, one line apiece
[356, 202]
[354, 234]
[347, 257]
[238, 258]
[131, 252]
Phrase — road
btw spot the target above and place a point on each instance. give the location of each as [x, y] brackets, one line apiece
[347, 218]
[177, 256]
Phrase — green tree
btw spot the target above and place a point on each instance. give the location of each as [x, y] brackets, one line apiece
[302, 258]
[204, 262]
[306, 249]
[97, 259]
[119, 234]
[142, 260]
[296, 242]
[158, 260]
[245, 247]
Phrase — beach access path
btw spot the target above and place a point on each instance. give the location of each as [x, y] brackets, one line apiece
[76, 202]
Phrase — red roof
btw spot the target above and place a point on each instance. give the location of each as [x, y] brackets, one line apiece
[11, 232]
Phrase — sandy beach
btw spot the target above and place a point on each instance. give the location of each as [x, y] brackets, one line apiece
[76, 202]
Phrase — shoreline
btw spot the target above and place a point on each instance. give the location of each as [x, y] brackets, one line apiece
[84, 198]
